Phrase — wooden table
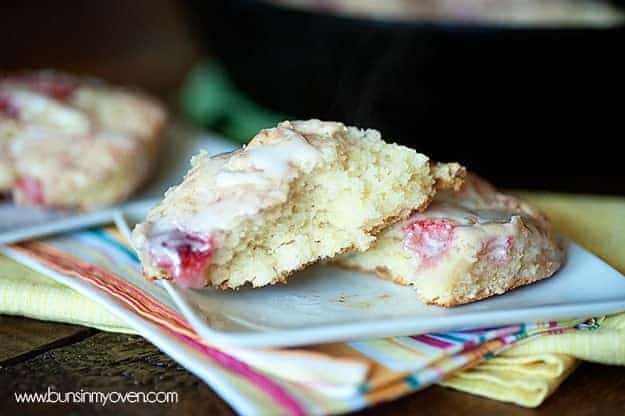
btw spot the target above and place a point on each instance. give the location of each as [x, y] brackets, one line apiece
[35, 355]
[126, 42]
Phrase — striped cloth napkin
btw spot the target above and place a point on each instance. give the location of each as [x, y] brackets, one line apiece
[522, 364]
[323, 379]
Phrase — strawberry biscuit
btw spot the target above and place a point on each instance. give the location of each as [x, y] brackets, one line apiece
[70, 142]
[298, 193]
[466, 246]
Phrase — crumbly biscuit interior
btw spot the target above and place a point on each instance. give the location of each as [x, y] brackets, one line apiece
[338, 207]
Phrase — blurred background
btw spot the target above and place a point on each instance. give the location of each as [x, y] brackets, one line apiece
[526, 92]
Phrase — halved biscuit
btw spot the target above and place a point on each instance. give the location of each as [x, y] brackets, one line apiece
[298, 193]
[466, 246]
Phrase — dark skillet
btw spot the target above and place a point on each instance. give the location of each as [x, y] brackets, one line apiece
[534, 107]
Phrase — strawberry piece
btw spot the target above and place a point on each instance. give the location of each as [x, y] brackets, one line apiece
[429, 238]
[54, 86]
[30, 190]
[185, 256]
[8, 107]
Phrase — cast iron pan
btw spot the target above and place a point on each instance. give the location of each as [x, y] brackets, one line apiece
[530, 107]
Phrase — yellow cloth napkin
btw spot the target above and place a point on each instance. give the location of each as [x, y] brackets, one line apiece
[596, 222]
[529, 372]
[25, 292]
[525, 380]
[525, 374]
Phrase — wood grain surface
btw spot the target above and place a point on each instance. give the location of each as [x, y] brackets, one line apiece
[123, 363]
[22, 338]
[150, 44]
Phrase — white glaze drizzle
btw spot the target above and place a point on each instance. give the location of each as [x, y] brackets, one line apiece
[48, 112]
[230, 189]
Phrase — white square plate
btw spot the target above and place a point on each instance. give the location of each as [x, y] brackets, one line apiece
[328, 304]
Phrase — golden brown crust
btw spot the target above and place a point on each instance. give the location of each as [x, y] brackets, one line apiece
[449, 175]
[385, 273]
[486, 293]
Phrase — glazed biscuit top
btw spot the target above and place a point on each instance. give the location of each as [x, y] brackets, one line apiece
[476, 216]
[75, 106]
[220, 191]
[478, 202]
